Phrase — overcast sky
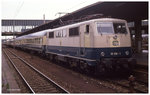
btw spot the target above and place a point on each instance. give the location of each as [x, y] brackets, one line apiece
[34, 9]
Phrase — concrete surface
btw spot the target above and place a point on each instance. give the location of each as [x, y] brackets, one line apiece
[9, 84]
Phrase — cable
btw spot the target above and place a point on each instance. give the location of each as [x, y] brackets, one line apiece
[77, 5]
[18, 10]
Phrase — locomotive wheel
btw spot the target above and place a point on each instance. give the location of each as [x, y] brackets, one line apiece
[70, 64]
[51, 58]
[85, 68]
[55, 58]
[100, 70]
[83, 65]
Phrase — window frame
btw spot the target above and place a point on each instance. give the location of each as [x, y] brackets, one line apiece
[74, 33]
[105, 23]
[58, 33]
[64, 31]
[87, 32]
[113, 28]
[52, 35]
[126, 31]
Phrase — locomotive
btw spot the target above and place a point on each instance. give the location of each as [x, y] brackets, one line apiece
[102, 44]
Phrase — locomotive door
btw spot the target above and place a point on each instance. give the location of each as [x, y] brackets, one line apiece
[84, 38]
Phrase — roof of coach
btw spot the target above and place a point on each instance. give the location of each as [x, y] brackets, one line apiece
[84, 22]
[37, 34]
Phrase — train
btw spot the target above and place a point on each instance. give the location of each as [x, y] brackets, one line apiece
[99, 45]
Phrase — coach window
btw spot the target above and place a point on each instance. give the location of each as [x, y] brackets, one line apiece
[38, 40]
[74, 31]
[51, 34]
[31, 41]
[41, 40]
[87, 29]
[34, 40]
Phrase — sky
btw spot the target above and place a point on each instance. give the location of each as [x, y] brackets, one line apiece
[35, 9]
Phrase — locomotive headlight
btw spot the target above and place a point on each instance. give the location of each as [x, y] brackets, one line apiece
[127, 52]
[102, 54]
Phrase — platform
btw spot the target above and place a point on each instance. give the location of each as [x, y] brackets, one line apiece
[9, 84]
[142, 58]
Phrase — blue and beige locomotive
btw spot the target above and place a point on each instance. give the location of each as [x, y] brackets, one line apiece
[103, 44]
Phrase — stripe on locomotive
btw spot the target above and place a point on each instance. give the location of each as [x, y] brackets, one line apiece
[90, 53]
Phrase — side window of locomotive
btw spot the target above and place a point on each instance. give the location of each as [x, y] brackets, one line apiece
[120, 28]
[87, 29]
[74, 31]
[58, 34]
[51, 34]
[64, 33]
[105, 28]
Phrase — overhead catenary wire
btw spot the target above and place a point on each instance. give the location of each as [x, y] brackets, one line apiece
[65, 13]
[77, 5]
[18, 9]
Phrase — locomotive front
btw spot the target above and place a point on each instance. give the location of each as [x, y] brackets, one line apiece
[112, 44]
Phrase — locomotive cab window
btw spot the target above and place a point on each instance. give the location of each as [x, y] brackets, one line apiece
[105, 28]
[120, 28]
[110, 28]
[74, 31]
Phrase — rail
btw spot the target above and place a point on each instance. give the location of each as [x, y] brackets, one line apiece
[57, 86]
[125, 83]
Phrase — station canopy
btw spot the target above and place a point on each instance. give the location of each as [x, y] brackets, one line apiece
[130, 11]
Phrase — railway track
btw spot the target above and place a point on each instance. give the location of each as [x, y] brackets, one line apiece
[141, 80]
[142, 67]
[36, 81]
[141, 74]
[138, 86]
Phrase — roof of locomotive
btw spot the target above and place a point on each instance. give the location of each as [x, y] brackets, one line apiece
[88, 21]
[43, 32]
